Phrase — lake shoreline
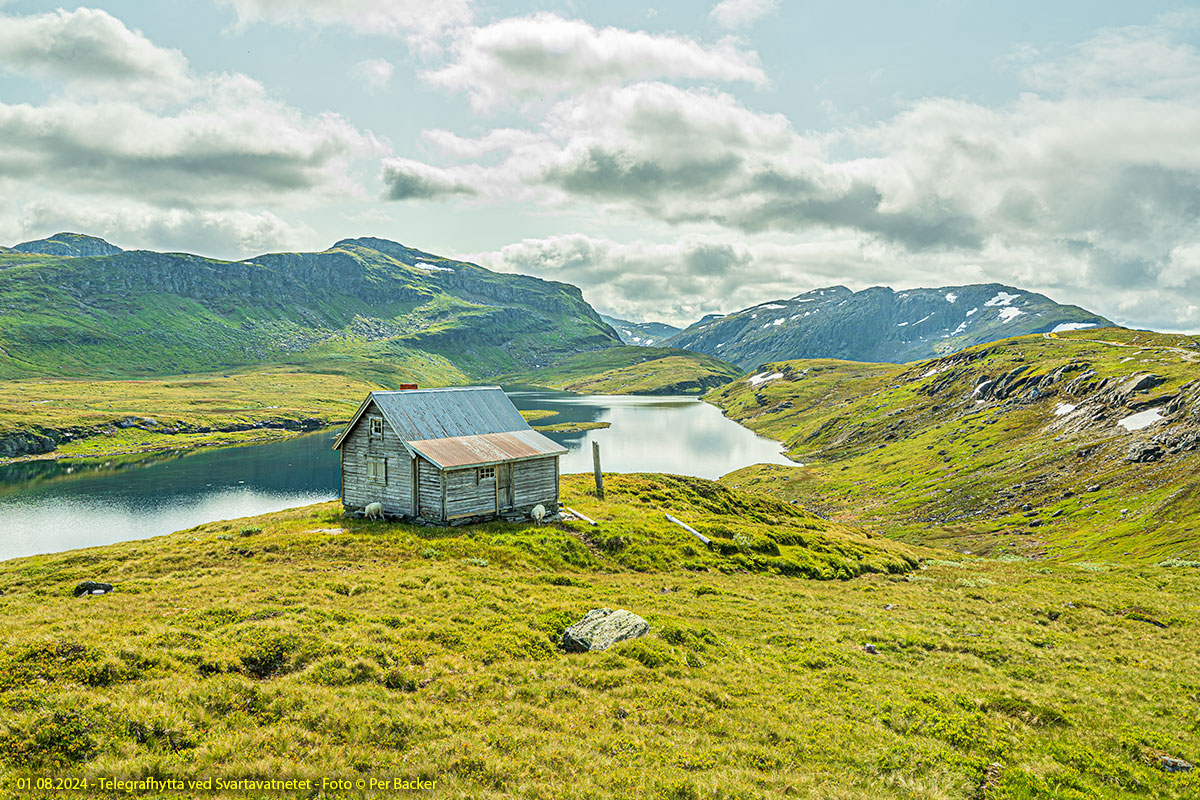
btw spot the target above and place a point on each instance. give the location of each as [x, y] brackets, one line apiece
[115, 491]
[264, 435]
[169, 441]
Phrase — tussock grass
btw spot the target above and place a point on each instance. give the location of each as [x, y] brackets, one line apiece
[908, 448]
[390, 650]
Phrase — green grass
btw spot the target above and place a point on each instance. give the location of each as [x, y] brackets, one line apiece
[143, 314]
[304, 645]
[193, 400]
[909, 449]
[572, 427]
[631, 370]
[325, 384]
[91, 417]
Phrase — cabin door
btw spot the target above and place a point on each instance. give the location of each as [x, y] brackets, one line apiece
[504, 488]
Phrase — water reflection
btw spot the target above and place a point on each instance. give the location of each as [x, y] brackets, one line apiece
[679, 435]
[50, 506]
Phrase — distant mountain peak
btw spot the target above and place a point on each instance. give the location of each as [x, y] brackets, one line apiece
[827, 290]
[69, 245]
[880, 323]
[641, 334]
[374, 242]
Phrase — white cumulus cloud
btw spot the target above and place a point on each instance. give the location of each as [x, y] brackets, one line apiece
[414, 18]
[741, 13]
[217, 233]
[407, 179]
[93, 51]
[375, 73]
[1086, 190]
[545, 56]
[137, 142]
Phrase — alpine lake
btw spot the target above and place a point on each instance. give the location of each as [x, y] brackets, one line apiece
[49, 506]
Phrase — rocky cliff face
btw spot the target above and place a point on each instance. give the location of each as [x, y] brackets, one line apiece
[148, 312]
[879, 324]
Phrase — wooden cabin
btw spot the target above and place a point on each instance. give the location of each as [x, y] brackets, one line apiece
[446, 456]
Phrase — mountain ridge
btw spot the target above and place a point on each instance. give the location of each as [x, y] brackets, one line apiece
[640, 334]
[67, 245]
[142, 312]
[879, 324]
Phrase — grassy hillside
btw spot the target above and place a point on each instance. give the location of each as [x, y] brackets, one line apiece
[631, 370]
[91, 335]
[304, 645]
[1008, 447]
[73, 417]
[67, 244]
[146, 314]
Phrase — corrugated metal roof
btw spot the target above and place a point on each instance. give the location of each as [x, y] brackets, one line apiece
[427, 414]
[486, 448]
[419, 414]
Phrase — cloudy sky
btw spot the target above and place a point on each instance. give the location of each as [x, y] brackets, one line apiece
[672, 160]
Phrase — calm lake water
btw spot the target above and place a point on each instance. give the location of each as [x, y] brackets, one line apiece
[51, 506]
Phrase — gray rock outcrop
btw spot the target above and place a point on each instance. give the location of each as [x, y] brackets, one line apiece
[1144, 452]
[601, 628]
[1142, 382]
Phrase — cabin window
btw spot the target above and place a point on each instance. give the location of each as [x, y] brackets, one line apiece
[485, 474]
[377, 469]
[375, 427]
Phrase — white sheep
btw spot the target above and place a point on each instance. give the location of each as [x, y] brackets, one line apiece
[538, 513]
[374, 511]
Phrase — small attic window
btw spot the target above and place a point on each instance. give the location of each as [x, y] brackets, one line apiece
[375, 427]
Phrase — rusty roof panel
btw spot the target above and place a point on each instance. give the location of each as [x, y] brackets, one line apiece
[487, 448]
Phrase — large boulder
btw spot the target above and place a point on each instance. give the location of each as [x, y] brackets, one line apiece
[1142, 382]
[1144, 452]
[601, 628]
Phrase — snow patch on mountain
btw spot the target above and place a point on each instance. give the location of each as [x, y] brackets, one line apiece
[1072, 326]
[763, 377]
[1142, 419]
[1002, 299]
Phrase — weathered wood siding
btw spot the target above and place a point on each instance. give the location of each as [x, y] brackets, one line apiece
[536, 482]
[466, 497]
[433, 494]
[429, 490]
[358, 490]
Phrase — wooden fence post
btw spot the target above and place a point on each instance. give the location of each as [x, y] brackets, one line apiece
[596, 467]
